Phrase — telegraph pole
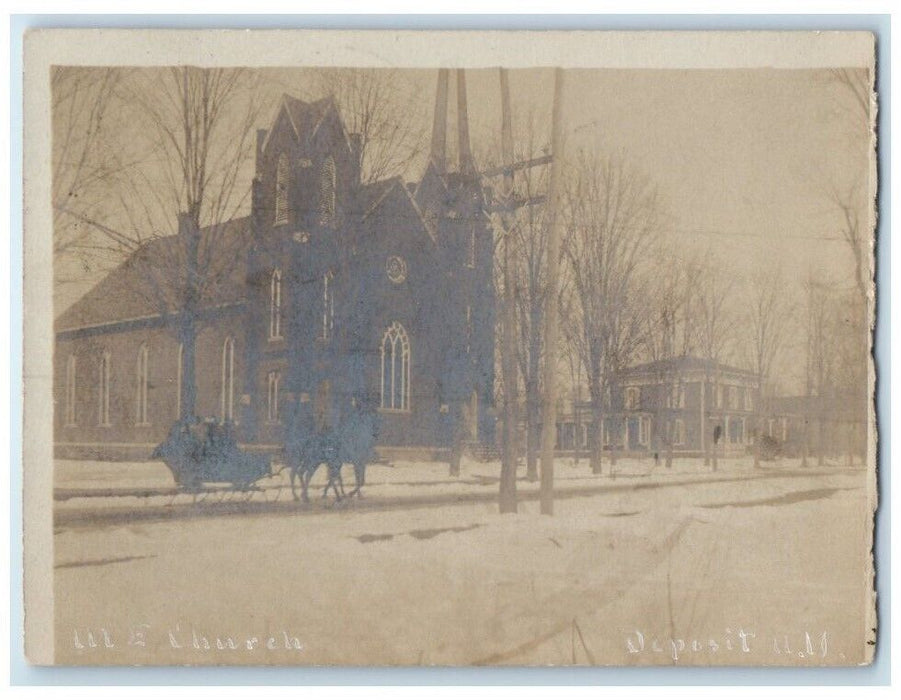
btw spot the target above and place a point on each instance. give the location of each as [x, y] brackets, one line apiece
[507, 496]
[549, 417]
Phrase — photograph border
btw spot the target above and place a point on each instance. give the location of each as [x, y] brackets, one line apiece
[877, 673]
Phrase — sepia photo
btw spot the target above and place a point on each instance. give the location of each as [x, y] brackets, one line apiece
[362, 355]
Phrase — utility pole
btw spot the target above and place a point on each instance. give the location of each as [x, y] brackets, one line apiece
[549, 417]
[507, 495]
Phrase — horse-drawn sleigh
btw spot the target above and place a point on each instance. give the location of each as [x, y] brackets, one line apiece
[200, 452]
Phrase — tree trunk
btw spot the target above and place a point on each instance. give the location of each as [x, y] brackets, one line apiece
[616, 424]
[533, 430]
[456, 449]
[758, 437]
[705, 436]
[596, 458]
[669, 442]
[189, 231]
[805, 449]
[821, 439]
[549, 414]
[758, 409]
[187, 335]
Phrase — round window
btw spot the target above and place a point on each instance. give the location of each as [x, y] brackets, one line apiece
[396, 268]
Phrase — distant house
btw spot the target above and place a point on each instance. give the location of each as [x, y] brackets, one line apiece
[828, 425]
[686, 400]
[336, 291]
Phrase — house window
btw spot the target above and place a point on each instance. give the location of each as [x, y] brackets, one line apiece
[70, 391]
[281, 190]
[103, 418]
[632, 398]
[678, 396]
[644, 430]
[275, 305]
[679, 432]
[274, 379]
[143, 384]
[396, 369]
[227, 397]
[179, 369]
[327, 187]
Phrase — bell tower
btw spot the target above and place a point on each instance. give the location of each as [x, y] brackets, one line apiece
[451, 197]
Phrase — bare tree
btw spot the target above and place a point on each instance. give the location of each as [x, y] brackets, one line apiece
[670, 337]
[613, 219]
[716, 325]
[384, 109]
[529, 279]
[174, 203]
[83, 167]
[768, 320]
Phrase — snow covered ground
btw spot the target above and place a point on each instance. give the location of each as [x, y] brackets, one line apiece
[131, 485]
[740, 567]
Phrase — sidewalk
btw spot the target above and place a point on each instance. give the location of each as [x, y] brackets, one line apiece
[93, 492]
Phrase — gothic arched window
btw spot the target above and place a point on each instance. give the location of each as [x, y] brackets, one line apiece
[281, 190]
[328, 306]
[143, 383]
[275, 305]
[274, 379]
[396, 369]
[103, 418]
[327, 186]
[70, 390]
[227, 398]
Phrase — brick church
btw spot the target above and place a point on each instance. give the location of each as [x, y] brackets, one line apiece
[333, 292]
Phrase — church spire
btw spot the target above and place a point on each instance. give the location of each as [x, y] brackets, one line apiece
[439, 127]
[464, 150]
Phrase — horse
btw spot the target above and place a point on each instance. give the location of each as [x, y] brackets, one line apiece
[351, 443]
[312, 453]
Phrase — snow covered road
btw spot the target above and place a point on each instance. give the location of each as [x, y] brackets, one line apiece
[679, 570]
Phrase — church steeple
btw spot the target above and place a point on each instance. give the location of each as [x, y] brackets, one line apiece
[464, 152]
[438, 155]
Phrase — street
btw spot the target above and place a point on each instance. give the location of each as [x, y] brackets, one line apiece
[739, 567]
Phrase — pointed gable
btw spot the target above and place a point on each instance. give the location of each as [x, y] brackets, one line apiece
[304, 119]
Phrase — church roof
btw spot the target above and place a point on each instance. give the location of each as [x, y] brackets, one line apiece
[306, 116]
[374, 194]
[128, 291]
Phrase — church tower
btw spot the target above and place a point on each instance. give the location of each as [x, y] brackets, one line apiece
[452, 199]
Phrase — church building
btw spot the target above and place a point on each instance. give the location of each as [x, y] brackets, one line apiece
[333, 292]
